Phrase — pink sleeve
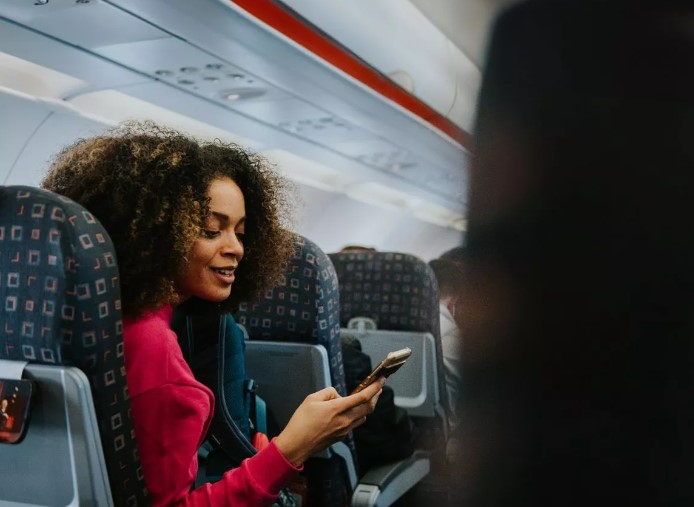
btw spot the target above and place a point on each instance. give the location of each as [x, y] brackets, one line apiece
[169, 422]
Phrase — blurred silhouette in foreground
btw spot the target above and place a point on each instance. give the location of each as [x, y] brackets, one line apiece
[578, 303]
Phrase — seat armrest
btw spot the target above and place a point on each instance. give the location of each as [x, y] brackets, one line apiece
[384, 484]
[60, 461]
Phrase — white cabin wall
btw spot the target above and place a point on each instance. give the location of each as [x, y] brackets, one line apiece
[57, 131]
[32, 131]
[21, 116]
[334, 220]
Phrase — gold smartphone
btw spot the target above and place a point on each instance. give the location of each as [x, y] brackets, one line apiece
[392, 363]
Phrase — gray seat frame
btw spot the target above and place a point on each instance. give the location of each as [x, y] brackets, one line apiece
[299, 369]
[61, 449]
[415, 384]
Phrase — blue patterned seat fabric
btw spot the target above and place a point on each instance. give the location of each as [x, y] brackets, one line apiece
[60, 304]
[304, 307]
[397, 290]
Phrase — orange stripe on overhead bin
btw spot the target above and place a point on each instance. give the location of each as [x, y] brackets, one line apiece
[296, 29]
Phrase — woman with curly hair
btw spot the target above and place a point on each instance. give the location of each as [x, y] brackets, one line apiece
[182, 215]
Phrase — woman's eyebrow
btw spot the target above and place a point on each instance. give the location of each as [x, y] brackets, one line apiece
[220, 216]
[224, 218]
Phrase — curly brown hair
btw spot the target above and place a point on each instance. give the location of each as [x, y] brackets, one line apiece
[148, 185]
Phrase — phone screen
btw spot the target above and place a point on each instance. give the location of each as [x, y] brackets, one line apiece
[14, 409]
[392, 363]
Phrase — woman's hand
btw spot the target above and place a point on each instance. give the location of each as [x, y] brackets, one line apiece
[324, 418]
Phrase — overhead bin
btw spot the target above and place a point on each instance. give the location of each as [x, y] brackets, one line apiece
[214, 62]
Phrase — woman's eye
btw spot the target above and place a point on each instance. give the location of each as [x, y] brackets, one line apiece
[240, 236]
[210, 234]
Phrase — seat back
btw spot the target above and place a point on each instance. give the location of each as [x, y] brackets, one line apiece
[304, 308]
[415, 386]
[399, 293]
[60, 307]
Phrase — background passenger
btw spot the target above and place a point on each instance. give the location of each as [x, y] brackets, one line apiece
[449, 277]
[455, 254]
[357, 248]
[189, 220]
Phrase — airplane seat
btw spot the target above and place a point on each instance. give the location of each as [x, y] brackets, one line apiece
[294, 349]
[61, 328]
[303, 308]
[398, 292]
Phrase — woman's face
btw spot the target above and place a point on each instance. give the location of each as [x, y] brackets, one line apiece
[214, 257]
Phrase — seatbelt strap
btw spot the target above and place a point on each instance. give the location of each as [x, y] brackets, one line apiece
[258, 407]
[260, 415]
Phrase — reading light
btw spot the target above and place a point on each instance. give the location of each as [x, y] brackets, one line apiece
[234, 94]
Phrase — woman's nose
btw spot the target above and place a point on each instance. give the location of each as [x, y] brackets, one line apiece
[233, 246]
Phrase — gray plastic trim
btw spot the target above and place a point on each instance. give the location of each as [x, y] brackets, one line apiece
[60, 461]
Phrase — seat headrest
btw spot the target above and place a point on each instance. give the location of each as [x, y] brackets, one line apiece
[303, 307]
[60, 304]
[398, 291]
[59, 281]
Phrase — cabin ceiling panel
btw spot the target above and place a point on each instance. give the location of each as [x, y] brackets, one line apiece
[43, 50]
[196, 71]
[205, 110]
[300, 118]
[220, 28]
[380, 154]
[433, 178]
[86, 24]
[251, 128]
[326, 129]
[190, 57]
[369, 149]
[289, 110]
[176, 62]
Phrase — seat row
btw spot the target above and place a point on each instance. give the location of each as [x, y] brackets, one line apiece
[60, 307]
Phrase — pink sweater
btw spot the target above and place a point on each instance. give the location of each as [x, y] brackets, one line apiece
[172, 412]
